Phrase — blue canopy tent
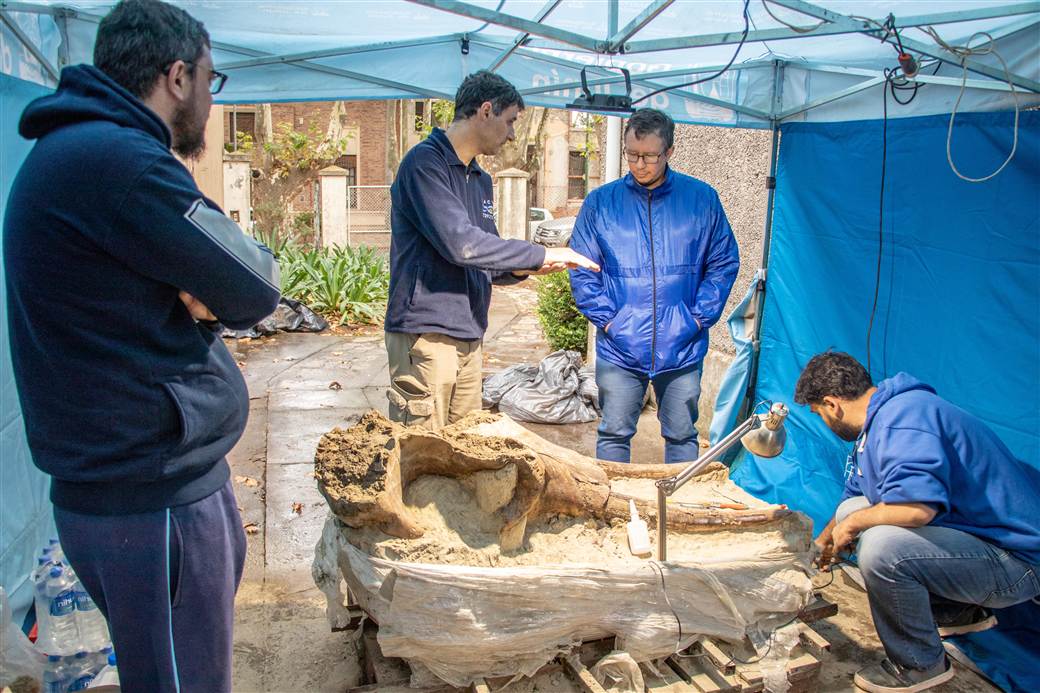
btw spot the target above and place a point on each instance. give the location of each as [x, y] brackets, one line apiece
[955, 265]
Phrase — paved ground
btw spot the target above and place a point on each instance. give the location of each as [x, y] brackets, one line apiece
[303, 385]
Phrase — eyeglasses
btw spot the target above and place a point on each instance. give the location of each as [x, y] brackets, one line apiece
[216, 79]
[650, 159]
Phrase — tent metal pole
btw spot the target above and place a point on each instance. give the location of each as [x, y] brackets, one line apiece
[760, 278]
[618, 38]
[519, 23]
[29, 45]
[523, 36]
[931, 50]
[781, 33]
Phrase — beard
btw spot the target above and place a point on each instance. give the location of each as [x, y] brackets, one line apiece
[845, 431]
[189, 135]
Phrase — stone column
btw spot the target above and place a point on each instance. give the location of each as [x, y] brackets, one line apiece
[334, 229]
[511, 197]
[238, 180]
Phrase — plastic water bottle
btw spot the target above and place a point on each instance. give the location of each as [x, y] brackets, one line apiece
[108, 676]
[81, 672]
[55, 679]
[56, 612]
[93, 629]
[54, 546]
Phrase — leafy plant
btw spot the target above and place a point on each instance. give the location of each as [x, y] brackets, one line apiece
[347, 285]
[564, 327]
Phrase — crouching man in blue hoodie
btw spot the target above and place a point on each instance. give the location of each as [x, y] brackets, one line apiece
[945, 516]
[117, 270]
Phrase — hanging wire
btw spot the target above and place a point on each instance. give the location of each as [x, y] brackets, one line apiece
[743, 37]
[792, 27]
[964, 52]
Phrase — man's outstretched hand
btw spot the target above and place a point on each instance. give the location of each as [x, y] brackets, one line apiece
[559, 259]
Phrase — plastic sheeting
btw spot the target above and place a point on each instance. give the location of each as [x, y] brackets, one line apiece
[732, 389]
[556, 391]
[959, 300]
[26, 521]
[465, 623]
[386, 49]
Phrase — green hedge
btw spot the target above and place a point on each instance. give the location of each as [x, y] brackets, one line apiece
[564, 327]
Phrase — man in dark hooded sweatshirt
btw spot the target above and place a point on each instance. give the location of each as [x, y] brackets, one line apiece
[119, 272]
[944, 514]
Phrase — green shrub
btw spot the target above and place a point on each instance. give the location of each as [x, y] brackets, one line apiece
[564, 327]
[343, 284]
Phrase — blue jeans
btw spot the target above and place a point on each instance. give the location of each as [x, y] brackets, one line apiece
[621, 394]
[914, 575]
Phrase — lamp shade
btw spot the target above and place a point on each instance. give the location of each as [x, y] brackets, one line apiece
[769, 437]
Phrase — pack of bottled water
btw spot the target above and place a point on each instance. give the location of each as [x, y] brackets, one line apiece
[71, 630]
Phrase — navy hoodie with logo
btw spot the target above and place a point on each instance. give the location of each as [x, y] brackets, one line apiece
[918, 448]
[129, 404]
[445, 250]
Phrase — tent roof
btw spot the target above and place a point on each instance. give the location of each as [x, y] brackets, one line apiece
[297, 50]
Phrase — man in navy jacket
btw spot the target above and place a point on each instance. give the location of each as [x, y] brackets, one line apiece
[445, 253]
[945, 515]
[117, 270]
[669, 261]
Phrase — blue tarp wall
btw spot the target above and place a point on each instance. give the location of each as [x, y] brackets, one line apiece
[26, 521]
[959, 300]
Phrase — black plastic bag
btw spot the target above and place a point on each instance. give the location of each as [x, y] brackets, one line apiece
[289, 316]
[556, 391]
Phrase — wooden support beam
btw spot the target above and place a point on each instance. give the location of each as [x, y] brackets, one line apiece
[702, 675]
[819, 608]
[665, 680]
[378, 668]
[813, 641]
[581, 675]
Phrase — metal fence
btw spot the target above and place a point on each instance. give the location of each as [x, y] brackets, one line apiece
[368, 215]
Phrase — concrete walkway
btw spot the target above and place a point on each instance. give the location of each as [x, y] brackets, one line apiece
[302, 385]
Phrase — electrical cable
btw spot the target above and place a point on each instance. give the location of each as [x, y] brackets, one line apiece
[792, 27]
[881, 214]
[743, 37]
[964, 52]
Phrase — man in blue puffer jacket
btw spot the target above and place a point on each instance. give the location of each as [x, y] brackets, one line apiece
[668, 260]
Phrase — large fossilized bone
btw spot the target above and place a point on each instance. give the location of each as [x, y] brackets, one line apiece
[363, 472]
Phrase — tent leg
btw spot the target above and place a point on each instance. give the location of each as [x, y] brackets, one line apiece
[760, 289]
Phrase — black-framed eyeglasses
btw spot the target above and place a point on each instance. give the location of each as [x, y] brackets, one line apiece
[216, 79]
[650, 159]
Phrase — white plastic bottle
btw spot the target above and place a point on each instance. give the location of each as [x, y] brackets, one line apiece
[55, 678]
[93, 629]
[56, 613]
[108, 676]
[81, 672]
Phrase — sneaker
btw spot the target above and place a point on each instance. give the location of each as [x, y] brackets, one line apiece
[887, 677]
[974, 619]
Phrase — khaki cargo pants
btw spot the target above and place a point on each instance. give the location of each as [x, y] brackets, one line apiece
[434, 379]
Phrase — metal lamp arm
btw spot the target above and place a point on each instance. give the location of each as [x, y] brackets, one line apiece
[666, 487]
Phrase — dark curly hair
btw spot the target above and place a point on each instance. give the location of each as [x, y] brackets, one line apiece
[139, 39]
[831, 374]
[484, 86]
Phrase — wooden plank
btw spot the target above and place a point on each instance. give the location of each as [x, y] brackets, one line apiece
[813, 641]
[378, 668]
[665, 681]
[581, 675]
[702, 675]
[720, 659]
[804, 667]
[480, 687]
[817, 609]
[356, 616]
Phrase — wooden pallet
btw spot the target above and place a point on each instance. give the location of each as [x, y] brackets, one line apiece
[706, 667]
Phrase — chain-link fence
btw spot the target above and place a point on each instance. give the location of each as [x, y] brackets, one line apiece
[561, 201]
[368, 215]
